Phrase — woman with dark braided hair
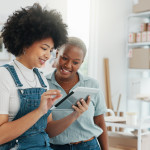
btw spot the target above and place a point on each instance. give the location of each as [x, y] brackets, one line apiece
[30, 34]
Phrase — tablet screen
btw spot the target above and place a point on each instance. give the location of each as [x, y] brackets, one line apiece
[76, 95]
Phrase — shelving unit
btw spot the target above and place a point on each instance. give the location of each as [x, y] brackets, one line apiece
[143, 14]
[142, 124]
[138, 70]
[136, 75]
[131, 45]
[134, 81]
[138, 127]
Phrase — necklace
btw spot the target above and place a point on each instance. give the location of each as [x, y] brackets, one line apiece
[27, 80]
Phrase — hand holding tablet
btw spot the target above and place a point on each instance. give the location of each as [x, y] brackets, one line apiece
[74, 96]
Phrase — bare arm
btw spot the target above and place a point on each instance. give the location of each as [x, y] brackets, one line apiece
[11, 130]
[56, 127]
[103, 138]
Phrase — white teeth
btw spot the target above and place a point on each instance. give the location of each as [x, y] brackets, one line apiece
[42, 61]
[65, 70]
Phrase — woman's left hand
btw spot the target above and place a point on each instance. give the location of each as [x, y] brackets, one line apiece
[82, 106]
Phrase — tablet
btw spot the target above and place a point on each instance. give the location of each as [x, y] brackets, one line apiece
[74, 96]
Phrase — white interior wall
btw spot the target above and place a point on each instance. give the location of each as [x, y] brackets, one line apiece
[112, 35]
[6, 10]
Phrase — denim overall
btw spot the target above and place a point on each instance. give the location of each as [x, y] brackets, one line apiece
[35, 138]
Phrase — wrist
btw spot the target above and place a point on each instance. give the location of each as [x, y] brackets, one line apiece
[76, 115]
[40, 112]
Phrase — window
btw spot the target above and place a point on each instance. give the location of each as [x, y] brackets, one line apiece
[78, 24]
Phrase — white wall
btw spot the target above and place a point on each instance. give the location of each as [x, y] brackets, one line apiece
[7, 7]
[110, 40]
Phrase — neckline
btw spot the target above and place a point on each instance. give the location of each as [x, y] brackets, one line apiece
[22, 65]
[21, 69]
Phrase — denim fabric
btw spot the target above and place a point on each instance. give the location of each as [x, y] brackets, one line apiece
[90, 145]
[34, 138]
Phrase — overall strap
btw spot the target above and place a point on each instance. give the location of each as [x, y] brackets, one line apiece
[40, 78]
[13, 73]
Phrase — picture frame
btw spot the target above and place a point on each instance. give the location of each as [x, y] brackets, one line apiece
[4, 55]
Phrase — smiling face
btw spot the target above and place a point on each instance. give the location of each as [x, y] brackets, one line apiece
[69, 61]
[37, 54]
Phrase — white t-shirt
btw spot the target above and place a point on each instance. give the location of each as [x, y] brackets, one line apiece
[9, 100]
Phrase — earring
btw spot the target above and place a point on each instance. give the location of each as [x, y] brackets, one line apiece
[24, 51]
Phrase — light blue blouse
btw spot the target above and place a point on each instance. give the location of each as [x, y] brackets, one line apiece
[83, 128]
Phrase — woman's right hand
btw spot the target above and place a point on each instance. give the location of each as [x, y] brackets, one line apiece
[47, 100]
[81, 107]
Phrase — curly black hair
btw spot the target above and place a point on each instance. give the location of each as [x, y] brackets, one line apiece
[31, 24]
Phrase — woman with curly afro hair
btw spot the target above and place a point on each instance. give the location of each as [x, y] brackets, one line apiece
[30, 34]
